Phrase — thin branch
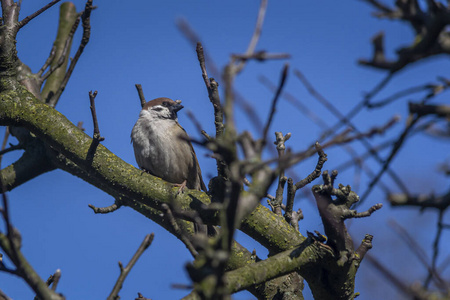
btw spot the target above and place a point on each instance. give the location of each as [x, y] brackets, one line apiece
[417, 250]
[318, 170]
[141, 94]
[343, 138]
[124, 271]
[183, 237]
[389, 276]
[37, 13]
[432, 88]
[96, 135]
[11, 243]
[56, 278]
[96, 138]
[196, 123]
[63, 56]
[441, 202]
[213, 92]
[48, 61]
[364, 102]
[256, 34]
[367, 213]
[86, 22]
[260, 56]
[436, 242]
[69, 20]
[365, 246]
[442, 111]
[105, 210]
[201, 60]
[141, 297]
[275, 203]
[398, 144]
[288, 210]
[318, 120]
[347, 120]
[3, 296]
[11, 148]
[284, 73]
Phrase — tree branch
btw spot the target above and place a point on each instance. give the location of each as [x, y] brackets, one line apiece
[125, 271]
[37, 13]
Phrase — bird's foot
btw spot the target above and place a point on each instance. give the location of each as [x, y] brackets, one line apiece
[181, 187]
[144, 171]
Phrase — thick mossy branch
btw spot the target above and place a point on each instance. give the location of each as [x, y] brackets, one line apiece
[34, 162]
[304, 256]
[121, 180]
[263, 223]
[301, 259]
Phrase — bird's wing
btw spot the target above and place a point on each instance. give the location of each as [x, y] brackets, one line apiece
[197, 165]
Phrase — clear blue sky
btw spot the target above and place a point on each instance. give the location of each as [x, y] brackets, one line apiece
[138, 42]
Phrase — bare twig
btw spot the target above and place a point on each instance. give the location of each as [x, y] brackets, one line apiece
[398, 144]
[213, 92]
[51, 81]
[256, 34]
[124, 271]
[430, 87]
[63, 56]
[367, 213]
[141, 94]
[3, 296]
[343, 138]
[347, 120]
[141, 297]
[96, 135]
[355, 160]
[284, 73]
[294, 217]
[417, 250]
[365, 246]
[11, 148]
[86, 22]
[442, 111]
[260, 56]
[390, 277]
[52, 280]
[201, 60]
[11, 243]
[436, 242]
[441, 202]
[288, 210]
[105, 210]
[275, 202]
[196, 123]
[37, 13]
[316, 173]
[182, 235]
[47, 61]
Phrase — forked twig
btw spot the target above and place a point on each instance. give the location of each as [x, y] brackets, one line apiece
[124, 271]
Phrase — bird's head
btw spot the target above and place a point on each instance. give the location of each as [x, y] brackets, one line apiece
[162, 108]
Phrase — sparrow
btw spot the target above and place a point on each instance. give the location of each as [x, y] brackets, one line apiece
[162, 146]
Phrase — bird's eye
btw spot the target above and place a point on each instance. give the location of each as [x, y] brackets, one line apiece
[166, 104]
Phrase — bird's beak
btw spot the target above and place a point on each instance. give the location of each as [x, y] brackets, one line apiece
[175, 108]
